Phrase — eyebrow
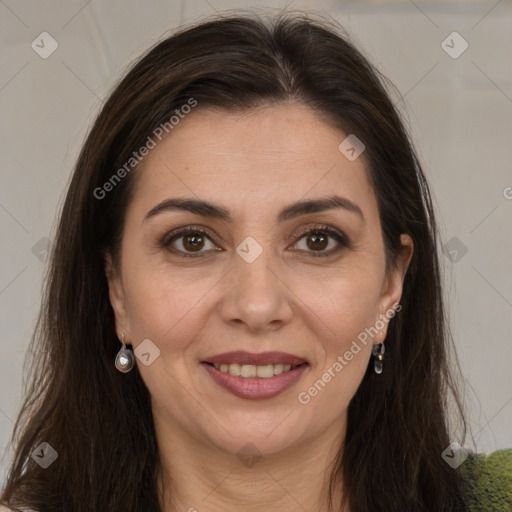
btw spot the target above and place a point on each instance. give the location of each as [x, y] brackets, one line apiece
[214, 211]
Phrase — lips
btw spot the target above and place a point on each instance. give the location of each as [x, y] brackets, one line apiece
[255, 376]
[261, 359]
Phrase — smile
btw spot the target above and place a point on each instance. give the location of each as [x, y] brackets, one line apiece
[252, 371]
[255, 376]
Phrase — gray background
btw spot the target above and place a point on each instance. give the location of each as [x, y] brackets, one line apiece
[459, 111]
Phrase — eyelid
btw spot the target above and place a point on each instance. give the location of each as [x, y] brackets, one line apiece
[324, 228]
[192, 228]
[338, 235]
[168, 238]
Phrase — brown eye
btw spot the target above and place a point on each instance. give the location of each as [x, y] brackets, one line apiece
[193, 242]
[318, 239]
[188, 242]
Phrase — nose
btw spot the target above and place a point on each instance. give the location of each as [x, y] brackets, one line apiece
[257, 296]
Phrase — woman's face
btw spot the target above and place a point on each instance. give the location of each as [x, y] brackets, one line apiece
[257, 288]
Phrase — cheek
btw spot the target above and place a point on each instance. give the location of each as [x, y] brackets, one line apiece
[342, 317]
[345, 301]
[348, 350]
[342, 358]
[160, 307]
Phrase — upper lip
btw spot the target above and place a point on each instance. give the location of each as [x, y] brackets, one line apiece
[261, 359]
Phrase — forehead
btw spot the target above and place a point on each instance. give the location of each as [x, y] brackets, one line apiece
[262, 158]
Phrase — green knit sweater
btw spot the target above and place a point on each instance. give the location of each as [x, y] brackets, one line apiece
[488, 480]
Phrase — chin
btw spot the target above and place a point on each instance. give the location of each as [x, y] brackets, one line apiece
[263, 433]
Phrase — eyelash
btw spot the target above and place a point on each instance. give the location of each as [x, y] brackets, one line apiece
[341, 238]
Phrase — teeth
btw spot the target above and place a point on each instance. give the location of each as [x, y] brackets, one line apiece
[253, 371]
[264, 372]
[248, 370]
[278, 368]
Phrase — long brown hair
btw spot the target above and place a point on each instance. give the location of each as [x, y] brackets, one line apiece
[98, 420]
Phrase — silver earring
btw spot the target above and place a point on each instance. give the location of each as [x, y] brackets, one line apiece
[378, 355]
[124, 358]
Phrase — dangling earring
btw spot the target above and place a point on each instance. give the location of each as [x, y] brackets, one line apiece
[124, 358]
[378, 354]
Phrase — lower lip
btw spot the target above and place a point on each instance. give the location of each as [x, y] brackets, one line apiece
[256, 389]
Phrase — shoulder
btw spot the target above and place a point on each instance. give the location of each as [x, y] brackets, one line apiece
[488, 480]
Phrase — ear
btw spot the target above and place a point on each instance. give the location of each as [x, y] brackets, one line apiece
[117, 297]
[392, 287]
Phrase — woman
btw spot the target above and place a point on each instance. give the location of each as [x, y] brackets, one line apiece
[243, 307]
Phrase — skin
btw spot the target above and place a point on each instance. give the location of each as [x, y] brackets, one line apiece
[287, 300]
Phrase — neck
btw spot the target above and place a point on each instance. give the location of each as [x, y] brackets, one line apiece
[200, 477]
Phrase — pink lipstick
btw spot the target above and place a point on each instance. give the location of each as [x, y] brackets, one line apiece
[255, 376]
